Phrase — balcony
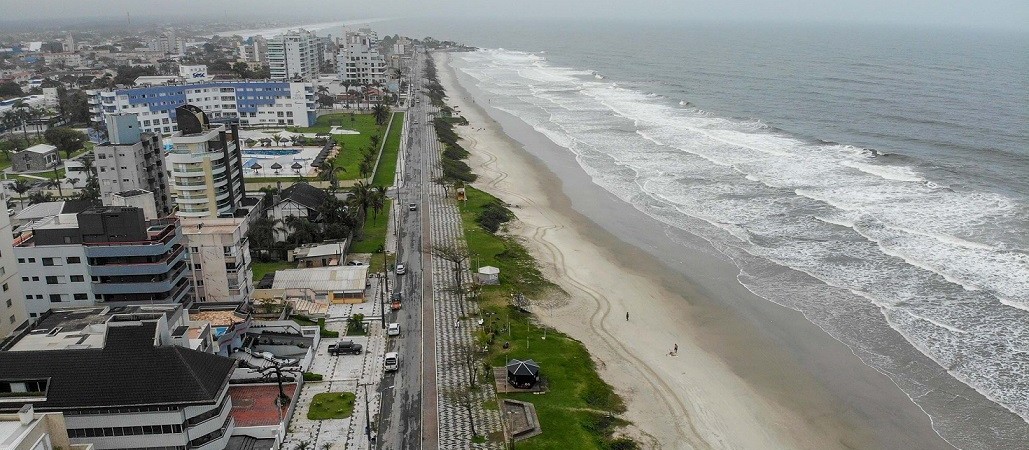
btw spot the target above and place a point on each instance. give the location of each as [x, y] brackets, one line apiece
[138, 268]
[115, 287]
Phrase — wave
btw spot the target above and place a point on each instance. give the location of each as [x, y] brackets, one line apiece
[941, 264]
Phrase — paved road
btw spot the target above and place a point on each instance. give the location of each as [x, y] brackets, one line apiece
[408, 415]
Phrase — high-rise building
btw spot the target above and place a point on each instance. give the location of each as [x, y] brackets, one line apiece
[206, 166]
[295, 55]
[103, 255]
[251, 103]
[132, 160]
[12, 305]
[207, 177]
[359, 60]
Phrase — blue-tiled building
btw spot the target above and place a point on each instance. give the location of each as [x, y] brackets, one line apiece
[253, 103]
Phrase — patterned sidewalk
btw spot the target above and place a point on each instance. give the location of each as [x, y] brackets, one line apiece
[455, 338]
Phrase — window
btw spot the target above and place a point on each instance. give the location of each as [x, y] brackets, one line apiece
[32, 260]
[24, 278]
[48, 261]
[21, 260]
[9, 302]
[81, 296]
[6, 287]
[12, 318]
[51, 280]
[74, 260]
[35, 278]
[55, 298]
[77, 278]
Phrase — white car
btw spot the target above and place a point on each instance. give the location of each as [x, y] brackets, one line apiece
[401, 269]
[393, 329]
[392, 362]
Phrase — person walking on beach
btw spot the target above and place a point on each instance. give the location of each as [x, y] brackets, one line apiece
[676, 351]
[627, 316]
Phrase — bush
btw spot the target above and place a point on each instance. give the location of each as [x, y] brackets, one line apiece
[454, 169]
[492, 216]
[311, 376]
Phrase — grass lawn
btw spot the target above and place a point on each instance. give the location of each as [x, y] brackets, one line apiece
[262, 268]
[580, 411]
[331, 405]
[388, 163]
[351, 146]
[374, 232]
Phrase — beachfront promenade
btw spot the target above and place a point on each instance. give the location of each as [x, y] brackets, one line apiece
[456, 352]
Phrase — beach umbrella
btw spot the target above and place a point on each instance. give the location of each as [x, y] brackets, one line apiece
[523, 374]
[296, 167]
[256, 167]
[276, 167]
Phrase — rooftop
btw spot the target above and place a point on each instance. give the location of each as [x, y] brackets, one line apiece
[78, 328]
[129, 371]
[41, 149]
[323, 279]
[254, 404]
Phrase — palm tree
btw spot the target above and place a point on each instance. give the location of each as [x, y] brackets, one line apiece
[378, 200]
[328, 171]
[362, 197]
[381, 113]
[21, 186]
[276, 138]
[269, 195]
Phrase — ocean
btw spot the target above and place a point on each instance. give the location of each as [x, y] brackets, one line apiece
[867, 177]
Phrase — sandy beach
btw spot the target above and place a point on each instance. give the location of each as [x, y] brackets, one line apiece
[731, 384]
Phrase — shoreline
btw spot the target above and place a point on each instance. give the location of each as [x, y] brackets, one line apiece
[731, 382]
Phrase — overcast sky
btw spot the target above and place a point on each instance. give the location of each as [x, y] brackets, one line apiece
[1010, 14]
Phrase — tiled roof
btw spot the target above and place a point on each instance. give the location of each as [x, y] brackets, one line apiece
[305, 194]
[129, 370]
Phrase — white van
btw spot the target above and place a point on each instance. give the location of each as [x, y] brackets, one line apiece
[392, 362]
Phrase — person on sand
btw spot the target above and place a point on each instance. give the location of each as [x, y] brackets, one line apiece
[627, 316]
[676, 351]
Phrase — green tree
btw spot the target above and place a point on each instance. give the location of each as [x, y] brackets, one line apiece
[66, 140]
[21, 186]
[381, 113]
[10, 89]
[328, 171]
[361, 197]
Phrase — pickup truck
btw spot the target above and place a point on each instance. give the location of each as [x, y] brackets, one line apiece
[344, 348]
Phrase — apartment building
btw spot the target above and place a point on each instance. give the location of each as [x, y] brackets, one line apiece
[103, 255]
[130, 161]
[251, 103]
[206, 166]
[126, 386]
[219, 255]
[12, 307]
[359, 61]
[295, 55]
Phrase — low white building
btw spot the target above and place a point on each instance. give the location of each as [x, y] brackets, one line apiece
[30, 430]
[337, 284]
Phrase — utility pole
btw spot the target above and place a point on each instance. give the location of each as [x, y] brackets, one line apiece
[382, 304]
[367, 416]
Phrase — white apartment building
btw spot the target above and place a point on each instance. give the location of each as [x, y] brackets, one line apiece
[294, 55]
[132, 161]
[12, 307]
[253, 103]
[206, 166]
[359, 61]
[219, 254]
[104, 255]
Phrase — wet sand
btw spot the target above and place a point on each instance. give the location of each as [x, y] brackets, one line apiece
[748, 373]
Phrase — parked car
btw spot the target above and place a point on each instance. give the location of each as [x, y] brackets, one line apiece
[392, 362]
[355, 263]
[412, 207]
[393, 329]
[345, 348]
[401, 269]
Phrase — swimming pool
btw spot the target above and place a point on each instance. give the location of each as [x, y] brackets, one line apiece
[271, 153]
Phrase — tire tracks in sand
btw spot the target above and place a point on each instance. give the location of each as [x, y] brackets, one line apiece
[601, 307]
